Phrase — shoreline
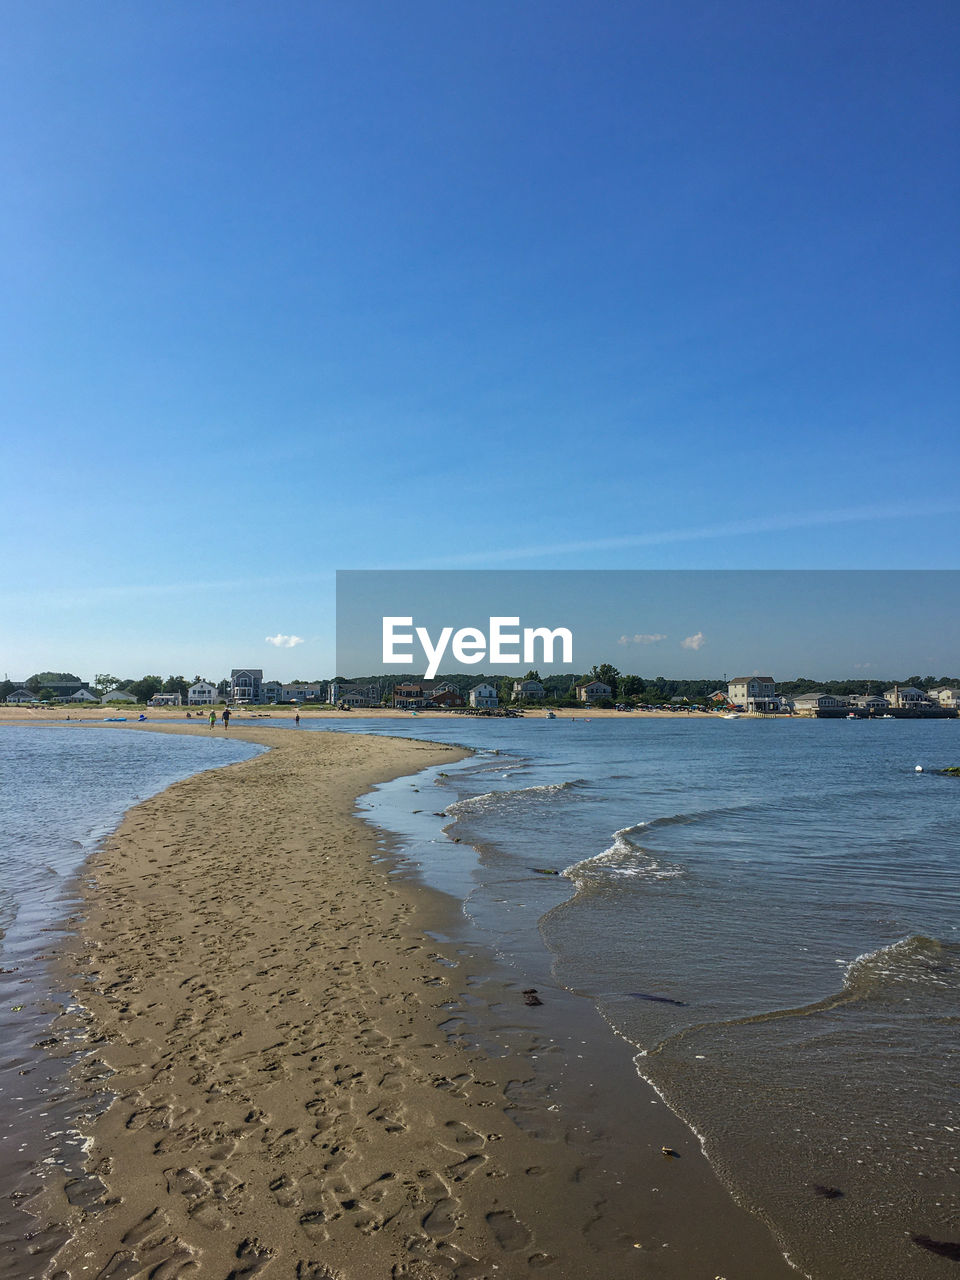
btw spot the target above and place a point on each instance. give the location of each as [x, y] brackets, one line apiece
[352, 1106]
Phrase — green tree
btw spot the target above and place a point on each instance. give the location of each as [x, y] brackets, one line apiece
[104, 684]
[6, 686]
[608, 674]
[144, 689]
[176, 684]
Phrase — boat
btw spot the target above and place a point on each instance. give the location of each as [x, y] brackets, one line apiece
[551, 715]
[731, 715]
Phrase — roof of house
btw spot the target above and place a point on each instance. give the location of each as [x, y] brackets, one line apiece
[745, 679]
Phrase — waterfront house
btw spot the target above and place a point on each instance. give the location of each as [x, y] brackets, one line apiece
[906, 697]
[83, 695]
[415, 694]
[353, 695]
[592, 691]
[303, 691]
[484, 695]
[271, 691]
[119, 695]
[23, 694]
[871, 702]
[947, 697]
[754, 693]
[202, 694]
[528, 691]
[811, 703]
[165, 700]
[245, 684]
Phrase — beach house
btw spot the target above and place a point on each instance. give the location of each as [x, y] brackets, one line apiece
[246, 684]
[23, 694]
[165, 700]
[528, 691]
[906, 697]
[202, 694]
[592, 691]
[351, 694]
[817, 701]
[947, 697]
[415, 694]
[303, 691]
[871, 702]
[754, 693]
[484, 696]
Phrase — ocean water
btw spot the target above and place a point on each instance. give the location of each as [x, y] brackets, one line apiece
[767, 913]
[62, 789]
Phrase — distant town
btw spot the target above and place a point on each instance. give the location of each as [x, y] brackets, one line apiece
[603, 687]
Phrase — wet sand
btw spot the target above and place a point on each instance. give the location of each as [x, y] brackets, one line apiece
[315, 1076]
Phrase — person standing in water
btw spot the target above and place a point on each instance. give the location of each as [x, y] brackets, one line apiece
[226, 717]
[213, 718]
[297, 719]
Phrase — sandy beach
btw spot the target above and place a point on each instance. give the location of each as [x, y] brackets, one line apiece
[314, 1077]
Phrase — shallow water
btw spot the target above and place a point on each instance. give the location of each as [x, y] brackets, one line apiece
[61, 791]
[767, 912]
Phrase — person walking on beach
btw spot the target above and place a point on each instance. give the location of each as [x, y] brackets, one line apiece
[226, 717]
[213, 718]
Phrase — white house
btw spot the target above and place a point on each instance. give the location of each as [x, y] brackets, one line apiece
[947, 697]
[817, 700]
[202, 694]
[593, 691]
[485, 696]
[755, 693]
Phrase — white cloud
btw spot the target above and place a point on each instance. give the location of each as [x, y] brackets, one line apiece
[694, 642]
[281, 641]
[641, 639]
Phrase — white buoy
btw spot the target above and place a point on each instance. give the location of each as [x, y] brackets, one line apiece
[918, 768]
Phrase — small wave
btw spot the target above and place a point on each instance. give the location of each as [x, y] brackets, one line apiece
[916, 959]
[624, 858]
[497, 799]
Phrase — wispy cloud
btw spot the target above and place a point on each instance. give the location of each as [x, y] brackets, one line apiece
[281, 641]
[641, 639]
[703, 533]
[694, 642]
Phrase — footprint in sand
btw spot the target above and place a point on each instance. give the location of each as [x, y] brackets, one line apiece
[252, 1257]
[286, 1192]
[466, 1138]
[464, 1169]
[509, 1234]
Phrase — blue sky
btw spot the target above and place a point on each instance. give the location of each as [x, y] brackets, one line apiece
[292, 288]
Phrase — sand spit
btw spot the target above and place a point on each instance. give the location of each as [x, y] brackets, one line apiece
[309, 1084]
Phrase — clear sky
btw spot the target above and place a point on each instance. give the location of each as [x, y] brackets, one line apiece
[287, 288]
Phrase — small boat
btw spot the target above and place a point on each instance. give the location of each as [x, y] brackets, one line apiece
[731, 715]
[551, 715]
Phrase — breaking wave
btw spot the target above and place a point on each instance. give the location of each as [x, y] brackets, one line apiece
[625, 858]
